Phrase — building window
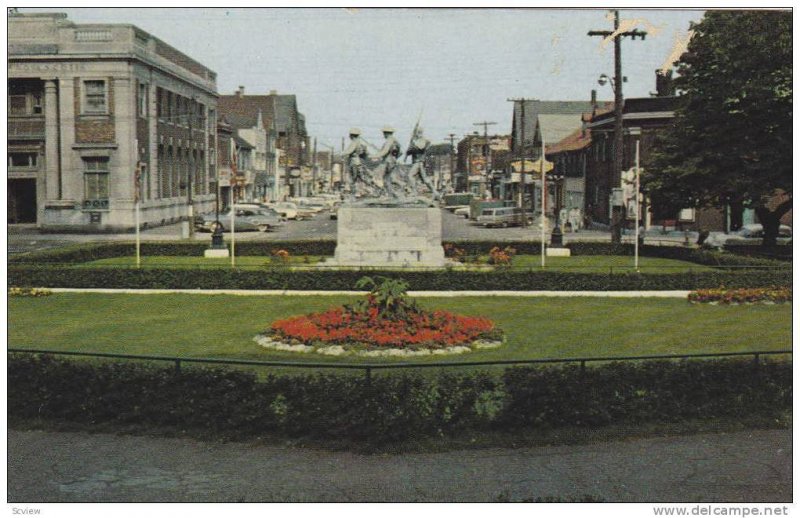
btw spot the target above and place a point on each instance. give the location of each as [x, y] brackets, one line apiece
[18, 105]
[144, 182]
[27, 160]
[94, 97]
[170, 108]
[159, 102]
[142, 100]
[161, 179]
[95, 178]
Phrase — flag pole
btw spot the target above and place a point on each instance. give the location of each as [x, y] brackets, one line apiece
[544, 201]
[138, 239]
[233, 230]
[636, 244]
[137, 181]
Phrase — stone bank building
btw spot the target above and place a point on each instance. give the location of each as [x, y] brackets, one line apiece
[100, 115]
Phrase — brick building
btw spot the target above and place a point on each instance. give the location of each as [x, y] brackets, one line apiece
[642, 119]
[534, 122]
[93, 106]
[473, 173]
[286, 130]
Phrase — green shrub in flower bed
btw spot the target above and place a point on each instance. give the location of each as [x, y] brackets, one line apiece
[29, 292]
[176, 278]
[742, 296]
[235, 404]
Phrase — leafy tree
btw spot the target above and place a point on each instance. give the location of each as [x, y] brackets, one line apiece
[731, 140]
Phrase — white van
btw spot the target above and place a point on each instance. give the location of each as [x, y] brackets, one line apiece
[502, 217]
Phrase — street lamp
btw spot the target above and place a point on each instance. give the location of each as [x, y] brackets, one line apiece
[557, 237]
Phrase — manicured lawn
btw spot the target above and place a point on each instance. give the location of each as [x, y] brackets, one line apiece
[223, 326]
[581, 263]
[603, 263]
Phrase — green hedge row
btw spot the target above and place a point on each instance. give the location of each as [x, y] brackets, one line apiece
[91, 252]
[175, 278]
[392, 407]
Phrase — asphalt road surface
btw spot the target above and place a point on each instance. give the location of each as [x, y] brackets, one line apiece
[754, 466]
[26, 238]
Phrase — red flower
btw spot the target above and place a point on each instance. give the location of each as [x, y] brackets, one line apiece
[341, 326]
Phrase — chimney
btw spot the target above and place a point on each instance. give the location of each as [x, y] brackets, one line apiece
[664, 84]
[273, 92]
[240, 91]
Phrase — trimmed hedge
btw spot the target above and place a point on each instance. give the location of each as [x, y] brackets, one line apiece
[273, 279]
[94, 251]
[51, 268]
[392, 407]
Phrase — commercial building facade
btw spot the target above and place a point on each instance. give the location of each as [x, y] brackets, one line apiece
[100, 115]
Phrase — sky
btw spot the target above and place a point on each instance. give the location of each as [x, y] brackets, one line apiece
[367, 68]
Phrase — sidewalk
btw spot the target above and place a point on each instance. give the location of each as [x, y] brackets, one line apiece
[673, 294]
[754, 466]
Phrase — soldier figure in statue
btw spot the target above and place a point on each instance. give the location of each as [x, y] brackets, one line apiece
[356, 153]
[388, 156]
[417, 150]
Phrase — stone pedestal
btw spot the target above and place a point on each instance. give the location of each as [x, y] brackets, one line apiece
[216, 252]
[557, 252]
[389, 237]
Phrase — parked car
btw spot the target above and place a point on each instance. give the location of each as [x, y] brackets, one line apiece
[314, 207]
[502, 217]
[289, 210]
[747, 235]
[463, 212]
[263, 208]
[245, 219]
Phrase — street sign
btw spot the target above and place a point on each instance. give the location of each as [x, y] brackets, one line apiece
[617, 198]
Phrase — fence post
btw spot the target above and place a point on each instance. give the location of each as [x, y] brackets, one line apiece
[177, 366]
[368, 376]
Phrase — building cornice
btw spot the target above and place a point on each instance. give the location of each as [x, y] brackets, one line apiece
[117, 56]
[632, 116]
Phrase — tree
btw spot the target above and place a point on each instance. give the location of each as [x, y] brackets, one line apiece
[731, 139]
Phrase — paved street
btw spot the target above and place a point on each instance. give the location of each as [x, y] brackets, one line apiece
[751, 466]
[25, 238]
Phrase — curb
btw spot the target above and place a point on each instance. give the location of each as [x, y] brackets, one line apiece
[600, 294]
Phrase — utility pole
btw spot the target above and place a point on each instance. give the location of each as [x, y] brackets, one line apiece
[521, 156]
[616, 174]
[486, 149]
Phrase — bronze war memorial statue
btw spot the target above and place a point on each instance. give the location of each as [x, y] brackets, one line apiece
[385, 221]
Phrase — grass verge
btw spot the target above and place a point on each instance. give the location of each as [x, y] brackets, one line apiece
[577, 264]
[223, 326]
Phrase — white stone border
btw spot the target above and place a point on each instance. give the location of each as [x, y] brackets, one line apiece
[682, 294]
[268, 342]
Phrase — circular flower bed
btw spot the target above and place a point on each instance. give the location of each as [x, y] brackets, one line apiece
[385, 324]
